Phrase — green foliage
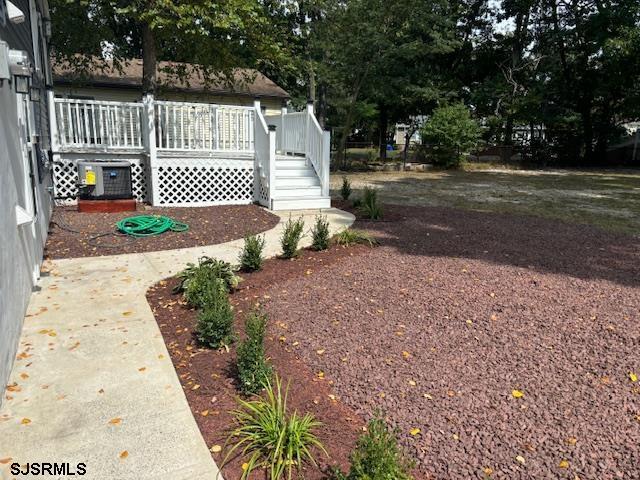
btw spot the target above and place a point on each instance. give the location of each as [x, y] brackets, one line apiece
[271, 437]
[254, 371]
[453, 133]
[370, 206]
[291, 237]
[345, 190]
[196, 280]
[320, 234]
[348, 237]
[251, 256]
[214, 327]
[377, 456]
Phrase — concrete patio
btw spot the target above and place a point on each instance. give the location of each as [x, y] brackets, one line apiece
[93, 382]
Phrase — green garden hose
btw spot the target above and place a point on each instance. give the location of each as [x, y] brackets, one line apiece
[149, 225]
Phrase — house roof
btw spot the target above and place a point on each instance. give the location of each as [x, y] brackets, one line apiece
[183, 77]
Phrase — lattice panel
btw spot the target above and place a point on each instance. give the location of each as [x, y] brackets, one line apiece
[205, 182]
[65, 176]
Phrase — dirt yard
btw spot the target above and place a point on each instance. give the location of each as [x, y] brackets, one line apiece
[608, 199]
[73, 234]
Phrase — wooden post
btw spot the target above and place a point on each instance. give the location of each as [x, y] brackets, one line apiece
[272, 163]
[151, 150]
[326, 162]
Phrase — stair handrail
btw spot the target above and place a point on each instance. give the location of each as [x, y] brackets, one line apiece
[317, 149]
[265, 158]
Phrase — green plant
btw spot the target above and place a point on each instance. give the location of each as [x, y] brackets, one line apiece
[271, 437]
[453, 132]
[251, 256]
[320, 234]
[254, 372]
[291, 237]
[370, 206]
[377, 455]
[356, 203]
[345, 191]
[214, 327]
[207, 267]
[348, 237]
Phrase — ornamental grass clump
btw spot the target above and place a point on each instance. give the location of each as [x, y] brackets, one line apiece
[272, 438]
[349, 237]
[291, 237]
[254, 372]
[320, 234]
[370, 206]
[345, 190]
[251, 258]
[377, 455]
[214, 327]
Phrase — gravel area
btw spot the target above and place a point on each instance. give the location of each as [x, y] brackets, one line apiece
[508, 341]
[74, 234]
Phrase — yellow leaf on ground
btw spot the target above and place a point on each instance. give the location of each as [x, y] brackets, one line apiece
[414, 431]
[487, 470]
[405, 354]
[25, 421]
[204, 413]
[216, 449]
[520, 459]
[572, 440]
[245, 466]
[127, 313]
[124, 454]
[633, 377]
[320, 374]
[412, 383]
[517, 394]
[115, 421]
[320, 352]
[195, 387]
[563, 464]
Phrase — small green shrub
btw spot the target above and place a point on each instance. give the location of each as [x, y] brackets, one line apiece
[348, 237]
[254, 372]
[207, 268]
[291, 237]
[214, 327]
[345, 191]
[320, 234]
[370, 206]
[251, 258]
[356, 203]
[377, 456]
[271, 437]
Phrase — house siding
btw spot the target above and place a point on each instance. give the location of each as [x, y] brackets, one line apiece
[22, 246]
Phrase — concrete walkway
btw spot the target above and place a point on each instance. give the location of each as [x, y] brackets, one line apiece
[93, 382]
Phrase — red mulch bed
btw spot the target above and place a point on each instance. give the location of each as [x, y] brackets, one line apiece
[73, 234]
[213, 370]
[437, 327]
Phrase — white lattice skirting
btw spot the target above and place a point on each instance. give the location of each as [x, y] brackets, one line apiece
[65, 177]
[190, 182]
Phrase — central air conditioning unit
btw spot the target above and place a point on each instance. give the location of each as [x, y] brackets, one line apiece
[104, 180]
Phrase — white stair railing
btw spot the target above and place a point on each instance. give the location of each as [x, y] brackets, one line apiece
[91, 124]
[264, 171]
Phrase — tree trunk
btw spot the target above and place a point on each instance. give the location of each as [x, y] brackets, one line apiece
[383, 123]
[587, 130]
[149, 60]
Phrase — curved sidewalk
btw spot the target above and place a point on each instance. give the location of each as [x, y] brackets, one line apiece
[93, 382]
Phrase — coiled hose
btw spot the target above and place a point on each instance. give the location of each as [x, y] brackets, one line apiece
[149, 225]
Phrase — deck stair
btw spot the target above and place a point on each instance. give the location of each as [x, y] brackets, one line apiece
[297, 185]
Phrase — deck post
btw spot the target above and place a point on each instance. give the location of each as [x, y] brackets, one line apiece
[326, 162]
[272, 164]
[307, 129]
[256, 166]
[53, 122]
[151, 149]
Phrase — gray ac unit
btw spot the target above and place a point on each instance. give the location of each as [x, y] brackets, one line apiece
[104, 180]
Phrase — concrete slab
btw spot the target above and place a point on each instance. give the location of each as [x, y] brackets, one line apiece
[93, 378]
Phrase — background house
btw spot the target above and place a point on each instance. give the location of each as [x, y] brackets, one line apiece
[24, 162]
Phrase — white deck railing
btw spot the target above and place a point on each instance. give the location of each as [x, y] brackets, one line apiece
[184, 126]
[87, 124]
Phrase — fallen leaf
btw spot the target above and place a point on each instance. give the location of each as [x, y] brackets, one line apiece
[127, 313]
[563, 464]
[14, 387]
[633, 377]
[142, 369]
[124, 454]
[332, 397]
[195, 387]
[204, 413]
[414, 431]
[412, 383]
[320, 352]
[320, 374]
[405, 354]
[520, 459]
[517, 394]
[5, 460]
[245, 466]
[25, 421]
[115, 421]
[216, 449]
[572, 440]
[427, 396]
[487, 470]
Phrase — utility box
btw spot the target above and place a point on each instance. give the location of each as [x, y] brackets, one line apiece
[104, 180]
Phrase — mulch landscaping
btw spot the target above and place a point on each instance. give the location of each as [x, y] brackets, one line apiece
[500, 346]
[73, 234]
